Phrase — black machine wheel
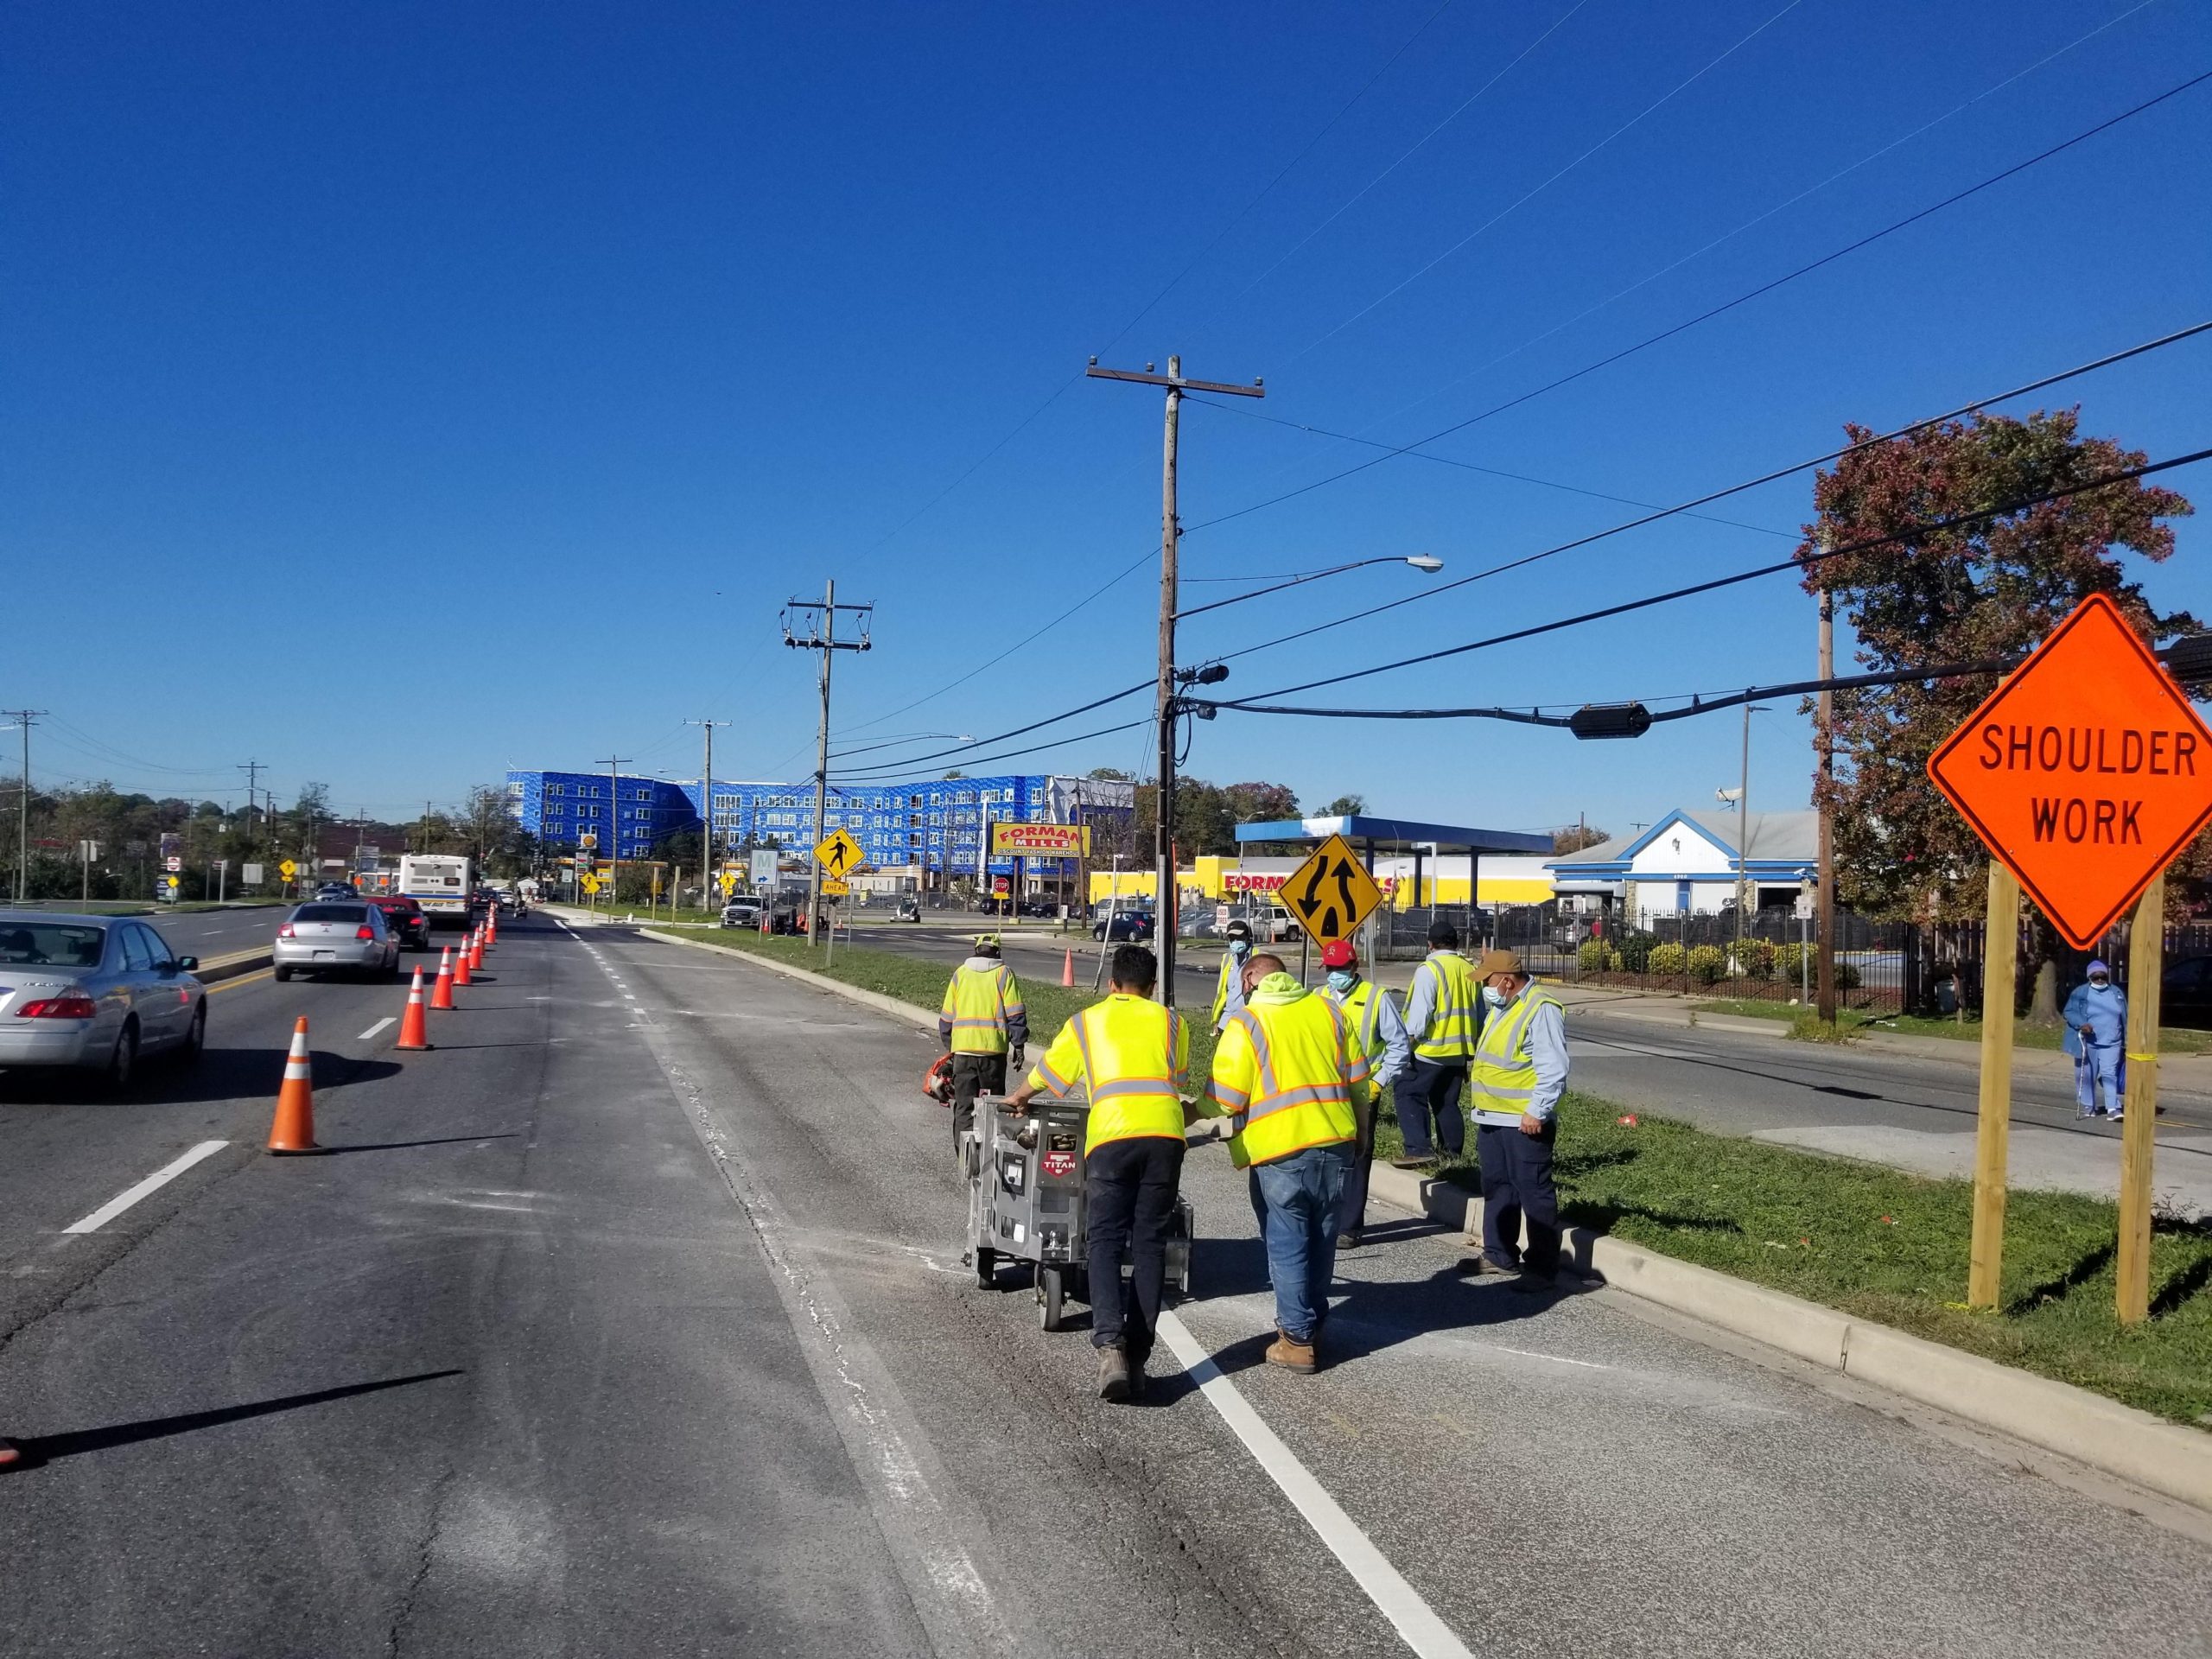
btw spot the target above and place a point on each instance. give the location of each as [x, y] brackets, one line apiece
[1051, 1298]
[987, 1268]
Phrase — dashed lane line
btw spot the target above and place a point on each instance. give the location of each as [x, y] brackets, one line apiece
[131, 1195]
[377, 1027]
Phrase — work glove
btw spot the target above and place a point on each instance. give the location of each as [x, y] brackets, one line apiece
[1016, 1059]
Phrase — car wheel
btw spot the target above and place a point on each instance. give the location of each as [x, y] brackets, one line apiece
[283, 973]
[195, 1038]
[114, 1077]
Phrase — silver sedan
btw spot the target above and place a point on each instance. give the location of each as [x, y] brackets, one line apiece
[94, 992]
[336, 936]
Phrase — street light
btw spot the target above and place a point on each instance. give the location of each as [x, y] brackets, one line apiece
[1427, 563]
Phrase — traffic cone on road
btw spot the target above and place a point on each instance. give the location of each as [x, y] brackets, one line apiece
[491, 929]
[10, 1455]
[414, 1028]
[441, 994]
[476, 950]
[292, 1129]
[1067, 968]
[460, 966]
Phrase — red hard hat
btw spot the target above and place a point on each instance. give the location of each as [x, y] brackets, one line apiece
[1339, 953]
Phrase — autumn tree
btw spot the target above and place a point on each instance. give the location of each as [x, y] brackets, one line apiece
[1575, 838]
[1987, 589]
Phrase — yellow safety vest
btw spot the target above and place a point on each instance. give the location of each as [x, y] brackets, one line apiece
[978, 1002]
[1362, 1011]
[1450, 1034]
[1229, 965]
[1503, 1078]
[1130, 1054]
[1285, 1073]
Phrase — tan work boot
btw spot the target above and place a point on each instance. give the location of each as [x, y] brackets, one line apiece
[1293, 1356]
[1113, 1375]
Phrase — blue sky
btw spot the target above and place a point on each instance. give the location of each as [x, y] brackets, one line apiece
[397, 394]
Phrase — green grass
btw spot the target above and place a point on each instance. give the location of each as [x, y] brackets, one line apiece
[2172, 1039]
[1891, 1247]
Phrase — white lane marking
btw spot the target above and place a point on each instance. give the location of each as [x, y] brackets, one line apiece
[1399, 1602]
[373, 1030]
[161, 1178]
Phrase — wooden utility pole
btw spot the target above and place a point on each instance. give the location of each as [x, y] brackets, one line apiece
[24, 719]
[613, 763]
[712, 866]
[1165, 909]
[821, 636]
[1993, 1119]
[1824, 897]
[2146, 940]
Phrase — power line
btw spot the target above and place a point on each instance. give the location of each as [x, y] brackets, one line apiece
[1708, 316]
[1930, 527]
[1506, 211]
[985, 742]
[1428, 594]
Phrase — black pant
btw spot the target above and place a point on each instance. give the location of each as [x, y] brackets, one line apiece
[1432, 1089]
[1352, 1210]
[1129, 1198]
[973, 1074]
[1516, 1171]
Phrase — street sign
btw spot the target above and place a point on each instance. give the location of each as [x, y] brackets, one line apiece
[251, 874]
[170, 885]
[2086, 773]
[1331, 893]
[1001, 886]
[288, 869]
[173, 865]
[839, 853]
[762, 863]
[729, 882]
[833, 888]
[589, 838]
[1221, 916]
[589, 883]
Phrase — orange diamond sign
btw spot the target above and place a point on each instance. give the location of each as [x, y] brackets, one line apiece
[2086, 773]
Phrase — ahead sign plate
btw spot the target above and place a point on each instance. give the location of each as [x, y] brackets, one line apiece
[2086, 773]
[1331, 893]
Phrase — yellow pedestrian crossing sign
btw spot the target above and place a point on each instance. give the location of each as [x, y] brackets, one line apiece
[288, 869]
[729, 882]
[589, 882]
[839, 855]
[1331, 893]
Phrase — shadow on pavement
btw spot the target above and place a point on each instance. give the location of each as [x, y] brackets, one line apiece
[44, 1448]
[221, 1074]
[400, 1146]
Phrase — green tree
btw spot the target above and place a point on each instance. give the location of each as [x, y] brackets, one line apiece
[1345, 806]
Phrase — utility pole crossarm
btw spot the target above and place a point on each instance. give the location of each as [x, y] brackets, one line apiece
[1170, 379]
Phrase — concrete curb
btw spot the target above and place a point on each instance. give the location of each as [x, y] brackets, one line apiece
[2166, 1458]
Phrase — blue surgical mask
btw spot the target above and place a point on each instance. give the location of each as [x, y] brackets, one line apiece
[1495, 997]
[1342, 979]
[1240, 947]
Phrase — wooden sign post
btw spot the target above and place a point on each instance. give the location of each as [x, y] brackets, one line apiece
[1992, 1133]
[2145, 964]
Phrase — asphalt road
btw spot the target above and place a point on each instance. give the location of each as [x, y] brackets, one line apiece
[631, 1320]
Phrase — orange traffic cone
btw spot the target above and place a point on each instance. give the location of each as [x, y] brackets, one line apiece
[293, 1130]
[441, 994]
[1067, 969]
[414, 1028]
[491, 929]
[476, 950]
[460, 966]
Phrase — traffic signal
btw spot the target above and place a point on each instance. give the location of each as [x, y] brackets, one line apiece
[1610, 720]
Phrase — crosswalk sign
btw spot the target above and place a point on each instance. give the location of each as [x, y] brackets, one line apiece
[839, 855]
[1331, 893]
[729, 882]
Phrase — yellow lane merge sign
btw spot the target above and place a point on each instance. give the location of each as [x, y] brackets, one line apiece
[839, 855]
[1331, 893]
[288, 869]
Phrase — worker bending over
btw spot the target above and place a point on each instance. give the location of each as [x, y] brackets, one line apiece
[1130, 1055]
[982, 1020]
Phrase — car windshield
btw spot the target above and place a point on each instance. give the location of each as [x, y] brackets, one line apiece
[50, 945]
[331, 913]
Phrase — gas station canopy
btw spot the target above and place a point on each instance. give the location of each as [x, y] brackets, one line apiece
[1397, 835]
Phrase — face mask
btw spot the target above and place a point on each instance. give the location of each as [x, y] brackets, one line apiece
[2100, 982]
[1493, 995]
[1342, 979]
[1239, 948]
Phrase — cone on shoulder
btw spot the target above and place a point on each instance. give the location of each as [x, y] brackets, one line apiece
[414, 1026]
[441, 993]
[1067, 968]
[293, 1128]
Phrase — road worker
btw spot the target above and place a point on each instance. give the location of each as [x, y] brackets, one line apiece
[1131, 1056]
[982, 1022]
[1379, 1033]
[2096, 1036]
[1228, 988]
[1513, 1088]
[1443, 1012]
[1288, 1077]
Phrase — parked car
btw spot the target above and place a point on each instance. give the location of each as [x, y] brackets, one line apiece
[1281, 924]
[94, 993]
[407, 921]
[742, 912]
[336, 890]
[909, 910]
[1136, 924]
[2184, 993]
[322, 937]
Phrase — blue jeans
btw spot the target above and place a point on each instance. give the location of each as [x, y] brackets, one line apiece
[1297, 1199]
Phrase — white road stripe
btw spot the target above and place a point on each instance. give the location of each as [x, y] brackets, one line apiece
[1398, 1601]
[161, 1178]
[373, 1030]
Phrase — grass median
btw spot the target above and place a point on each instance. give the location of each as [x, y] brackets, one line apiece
[1867, 1240]
[2172, 1039]
[1892, 1247]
